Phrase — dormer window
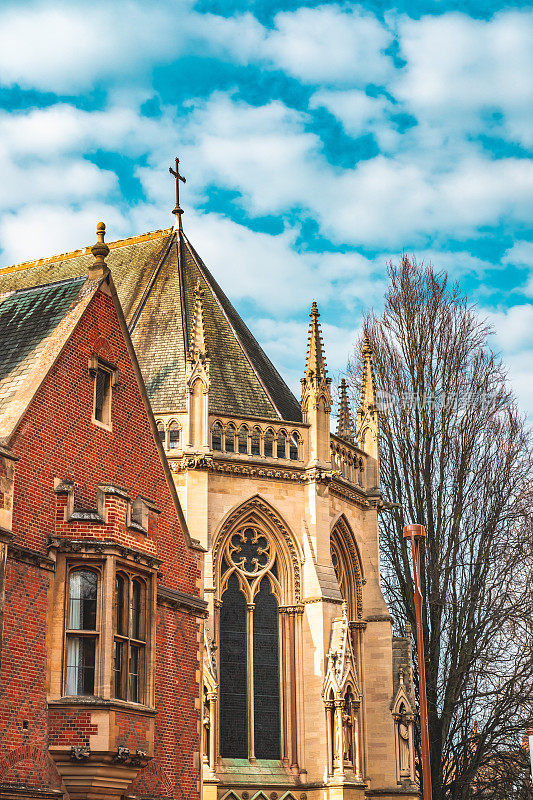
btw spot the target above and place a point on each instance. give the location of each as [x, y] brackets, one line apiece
[104, 375]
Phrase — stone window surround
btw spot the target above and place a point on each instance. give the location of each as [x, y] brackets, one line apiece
[97, 363]
[106, 564]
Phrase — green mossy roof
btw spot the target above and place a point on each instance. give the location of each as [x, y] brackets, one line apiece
[29, 320]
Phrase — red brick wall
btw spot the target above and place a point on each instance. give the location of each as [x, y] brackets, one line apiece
[58, 440]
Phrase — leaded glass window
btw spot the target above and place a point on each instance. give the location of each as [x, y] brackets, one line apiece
[250, 597]
[82, 633]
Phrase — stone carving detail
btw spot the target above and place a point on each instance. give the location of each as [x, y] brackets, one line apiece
[79, 753]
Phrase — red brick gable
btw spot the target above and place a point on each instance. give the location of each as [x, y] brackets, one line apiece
[57, 441]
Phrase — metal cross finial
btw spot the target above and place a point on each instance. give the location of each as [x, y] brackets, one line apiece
[176, 172]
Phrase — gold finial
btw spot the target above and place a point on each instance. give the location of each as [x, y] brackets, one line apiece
[99, 250]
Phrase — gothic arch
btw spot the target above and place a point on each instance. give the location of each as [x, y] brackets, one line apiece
[348, 566]
[257, 511]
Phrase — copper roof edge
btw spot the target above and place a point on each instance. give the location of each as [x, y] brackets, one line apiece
[84, 251]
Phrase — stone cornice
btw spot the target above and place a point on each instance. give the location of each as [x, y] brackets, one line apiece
[102, 547]
[188, 602]
[29, 556]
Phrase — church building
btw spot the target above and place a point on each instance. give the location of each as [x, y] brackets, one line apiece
[305, 692]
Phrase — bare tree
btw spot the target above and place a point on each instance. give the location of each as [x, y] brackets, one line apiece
[456, 456]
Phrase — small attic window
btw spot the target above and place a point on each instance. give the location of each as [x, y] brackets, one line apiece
[104, 375]
[102, 396]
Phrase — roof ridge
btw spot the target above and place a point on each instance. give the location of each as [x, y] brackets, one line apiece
[84, 251]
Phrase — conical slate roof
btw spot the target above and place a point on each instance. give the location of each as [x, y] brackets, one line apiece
[155, 275]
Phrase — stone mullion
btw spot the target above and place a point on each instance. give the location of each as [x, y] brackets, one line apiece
[212, 733]
[292, 661]
[105, 645]
[329, 743]
[357, 630]
[216, 638]
[284, 686]
[339, 738]
[354, 708]
[250, 679]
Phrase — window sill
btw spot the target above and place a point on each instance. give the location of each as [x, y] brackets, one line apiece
[99, 702]
[103, 425]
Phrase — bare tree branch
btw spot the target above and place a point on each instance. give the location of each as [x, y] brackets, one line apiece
[457, 456]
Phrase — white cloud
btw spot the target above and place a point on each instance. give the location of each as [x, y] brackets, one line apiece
[331, 44]
[512, 338]
[462, 73]
[38, 231]
[270, 272]
[360, 114]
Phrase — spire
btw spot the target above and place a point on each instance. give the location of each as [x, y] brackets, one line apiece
[316, 394]
[368, 415]
[197, 349]
[99, 250]
[316, 363]
[368, 387]
[344, 422]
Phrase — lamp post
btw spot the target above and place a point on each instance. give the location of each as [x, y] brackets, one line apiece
[529, 734]
[415, 533]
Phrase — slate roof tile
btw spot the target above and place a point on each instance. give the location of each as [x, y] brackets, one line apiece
[155, 275]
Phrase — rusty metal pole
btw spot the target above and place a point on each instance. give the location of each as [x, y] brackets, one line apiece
[529, 734]
[415, 533]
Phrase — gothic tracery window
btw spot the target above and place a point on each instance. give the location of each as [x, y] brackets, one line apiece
[347, 566]
[250, 713]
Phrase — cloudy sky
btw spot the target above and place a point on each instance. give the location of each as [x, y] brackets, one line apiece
[318, 141]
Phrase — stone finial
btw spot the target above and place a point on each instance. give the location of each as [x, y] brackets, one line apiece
[315, 366]
[99, 250]
[368, 388]
[198, 348]
[344, 423]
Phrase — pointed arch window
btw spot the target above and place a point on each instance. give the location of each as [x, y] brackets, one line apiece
[250, 697]
[243, 439]
[281, 444]
[174, 436]
[256, 442]
[216, 437]
[294, 447]
[347, 565]
[230, 438]
[162, 433]
[269, 443]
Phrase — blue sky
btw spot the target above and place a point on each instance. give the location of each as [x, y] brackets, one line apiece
[318, 141]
